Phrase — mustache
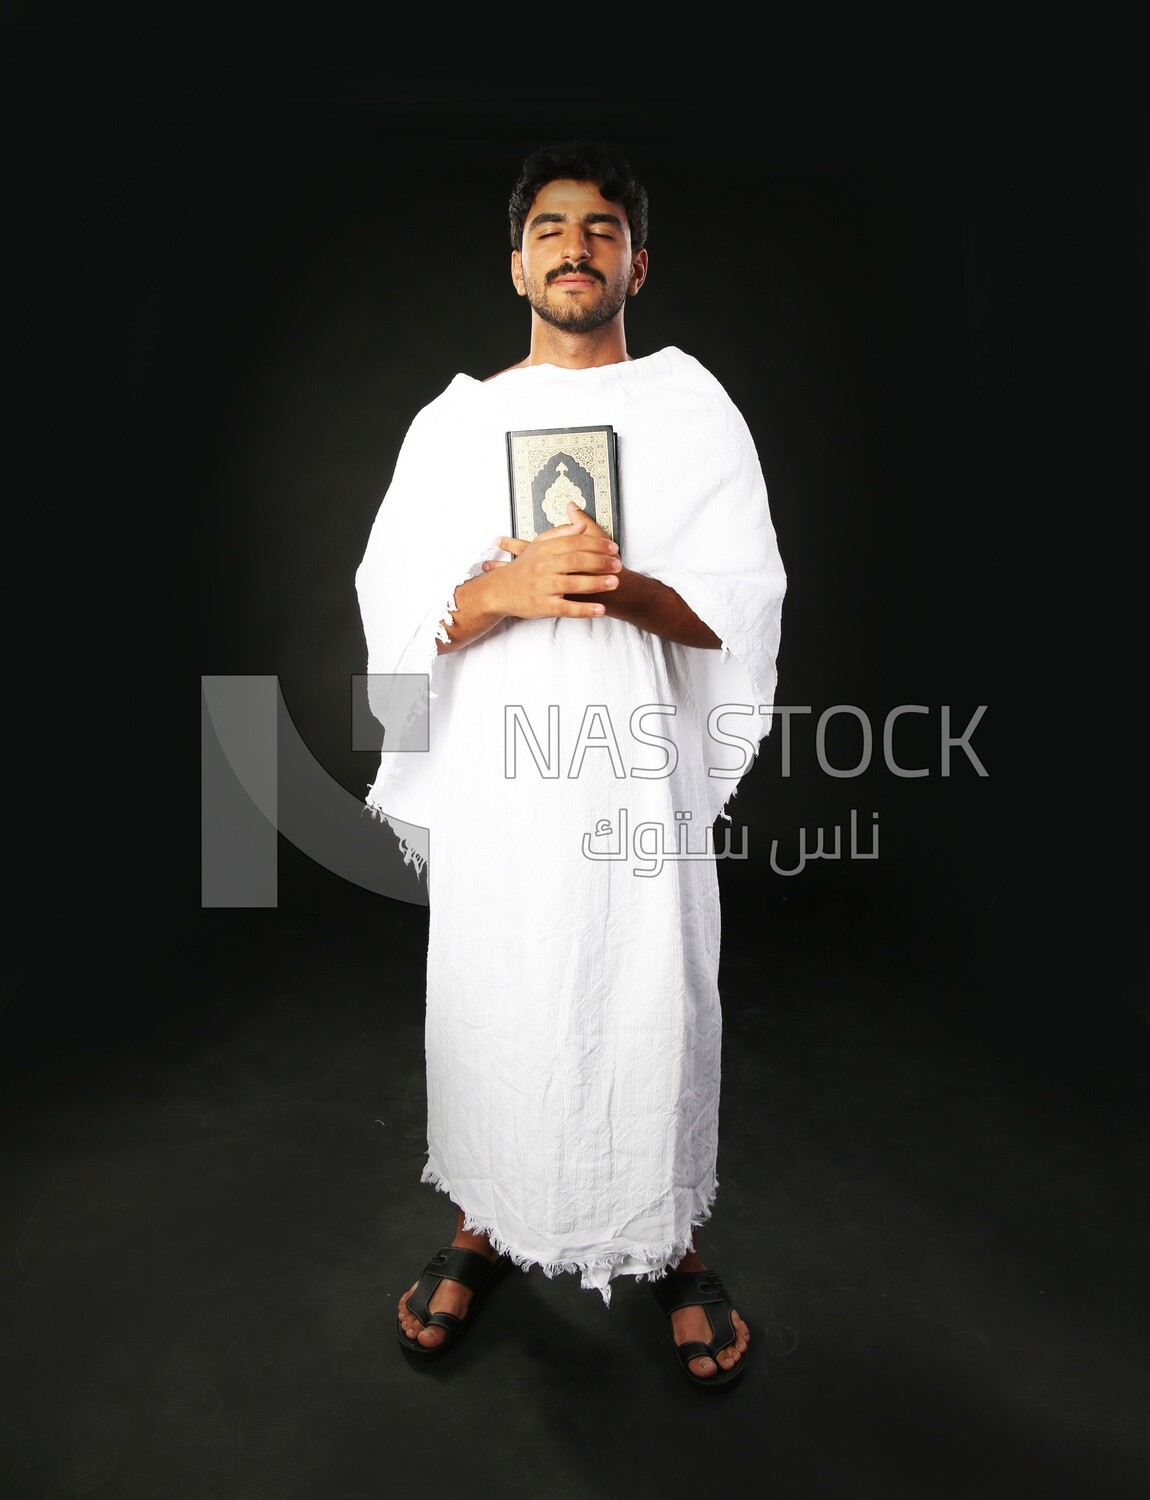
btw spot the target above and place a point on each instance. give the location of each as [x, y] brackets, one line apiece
[570, 270]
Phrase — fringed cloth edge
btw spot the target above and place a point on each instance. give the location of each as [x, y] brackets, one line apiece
[414, 848]
[656, 1260]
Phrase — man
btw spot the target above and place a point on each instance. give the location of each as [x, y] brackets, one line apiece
[573, 1022]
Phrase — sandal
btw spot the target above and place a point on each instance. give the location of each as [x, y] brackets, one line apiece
[702, 1289]
[472, 1270]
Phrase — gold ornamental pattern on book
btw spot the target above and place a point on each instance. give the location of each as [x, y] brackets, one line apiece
[550, 466]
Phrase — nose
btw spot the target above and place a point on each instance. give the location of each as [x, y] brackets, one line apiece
[575, 247]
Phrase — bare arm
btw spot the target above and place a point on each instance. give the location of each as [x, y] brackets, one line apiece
[652, 605]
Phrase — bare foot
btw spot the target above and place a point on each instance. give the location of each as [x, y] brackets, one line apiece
[691, 1323]
[449, 1296]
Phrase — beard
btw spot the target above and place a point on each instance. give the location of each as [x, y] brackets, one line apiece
[570, 313]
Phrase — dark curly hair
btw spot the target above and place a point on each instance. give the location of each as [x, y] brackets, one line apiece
[580, 161]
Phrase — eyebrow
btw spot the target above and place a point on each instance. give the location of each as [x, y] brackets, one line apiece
[564, 219]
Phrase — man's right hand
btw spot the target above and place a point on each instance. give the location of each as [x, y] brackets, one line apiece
[533, 585]
[565, 560]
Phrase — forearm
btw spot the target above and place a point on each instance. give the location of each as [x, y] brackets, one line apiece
[651, 605]
[474, 615]
[645, 602]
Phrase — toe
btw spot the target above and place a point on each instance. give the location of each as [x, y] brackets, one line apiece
[407, 1321]
[703, 1365]
[734, 1352]
[742, 1333]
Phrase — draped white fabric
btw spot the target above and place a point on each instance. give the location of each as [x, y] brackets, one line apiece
[573, 1022]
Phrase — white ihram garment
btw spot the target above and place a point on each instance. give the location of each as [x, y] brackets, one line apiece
[573, 1023]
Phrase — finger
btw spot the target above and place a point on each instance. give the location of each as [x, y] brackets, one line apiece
[589, 583]
[574, 547]
[588, 542]
[592, 523]
[592, 562]
[577, 611]
[564, 532]
[577, 513]
[511, 544]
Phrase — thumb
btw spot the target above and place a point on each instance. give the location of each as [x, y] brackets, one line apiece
[578, 516]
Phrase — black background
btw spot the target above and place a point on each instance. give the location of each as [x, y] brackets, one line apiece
[243, 260]
[242, 250]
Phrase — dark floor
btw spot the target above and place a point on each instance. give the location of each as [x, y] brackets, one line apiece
[933, 1210]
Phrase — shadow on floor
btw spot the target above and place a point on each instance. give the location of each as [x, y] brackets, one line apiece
[932, 1210]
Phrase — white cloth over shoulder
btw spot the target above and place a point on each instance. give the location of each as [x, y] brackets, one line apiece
[573, 1026]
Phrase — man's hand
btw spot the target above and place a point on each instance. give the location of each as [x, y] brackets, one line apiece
[649, 604]
[540, 580]
[561, 573]
[578, 558]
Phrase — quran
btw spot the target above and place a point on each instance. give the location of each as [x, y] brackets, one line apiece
[548, 466]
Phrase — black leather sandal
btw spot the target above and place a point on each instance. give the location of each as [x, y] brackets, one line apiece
[453, 1262]
[702, 1289]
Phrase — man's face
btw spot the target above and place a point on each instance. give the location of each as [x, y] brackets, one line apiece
[577, 267]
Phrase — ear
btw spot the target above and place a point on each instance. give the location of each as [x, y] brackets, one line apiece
[638, 272]
[517, 273]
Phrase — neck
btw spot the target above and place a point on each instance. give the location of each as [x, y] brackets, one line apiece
[577, 351]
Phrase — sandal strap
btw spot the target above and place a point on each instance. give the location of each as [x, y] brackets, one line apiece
[443, 1320]
[455, 1263]
[694, 1350]
[698, 1289]
[689, 1289]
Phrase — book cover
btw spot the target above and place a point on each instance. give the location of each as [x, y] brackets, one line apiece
[548, 466]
